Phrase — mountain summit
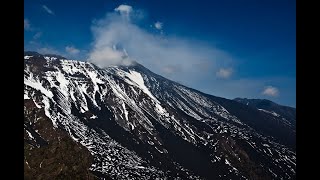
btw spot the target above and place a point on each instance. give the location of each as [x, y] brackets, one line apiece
[82, 121]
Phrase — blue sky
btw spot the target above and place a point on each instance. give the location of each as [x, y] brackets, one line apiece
[225, 48]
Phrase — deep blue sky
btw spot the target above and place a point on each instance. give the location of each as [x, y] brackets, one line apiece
[259, 36]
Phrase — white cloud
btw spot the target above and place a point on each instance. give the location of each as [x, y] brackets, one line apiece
[270, 91]
[47, 9]
[158, 25]
[37, 35]
[224, 73]
[124, 10]
[162, 54]
[27, 25]
[72, 50]
[108, 56]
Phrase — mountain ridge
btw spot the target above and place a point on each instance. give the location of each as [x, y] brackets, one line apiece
[138, 65]
[271, 107]
[137, 124]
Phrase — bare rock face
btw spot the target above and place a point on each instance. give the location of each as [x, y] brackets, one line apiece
[84, 122]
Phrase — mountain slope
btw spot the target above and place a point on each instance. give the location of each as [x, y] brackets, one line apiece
[139, 125]
[50, 153]
[286, 112]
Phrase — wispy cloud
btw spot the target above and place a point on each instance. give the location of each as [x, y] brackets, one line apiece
[224, 72]
[72, 50]
[47, 9]
[119, 40]
[171, 69]
[37, 35]
[158, 25]
[270, 91]
[27, 25]
[48, 50]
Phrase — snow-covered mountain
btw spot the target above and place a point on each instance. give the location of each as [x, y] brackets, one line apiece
[129, 123]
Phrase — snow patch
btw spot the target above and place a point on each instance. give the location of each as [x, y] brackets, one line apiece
[137, 79]
[27, 57]
[93, 117]
[63, 82]
[125, 111]
[161, 110]
[26, 96]
[38, 86]
[37, 105]
[159, 150]
[46, 103]
[50, 58]
[30, 135]
[270, 112]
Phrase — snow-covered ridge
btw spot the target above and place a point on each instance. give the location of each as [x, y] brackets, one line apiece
[136, 102]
